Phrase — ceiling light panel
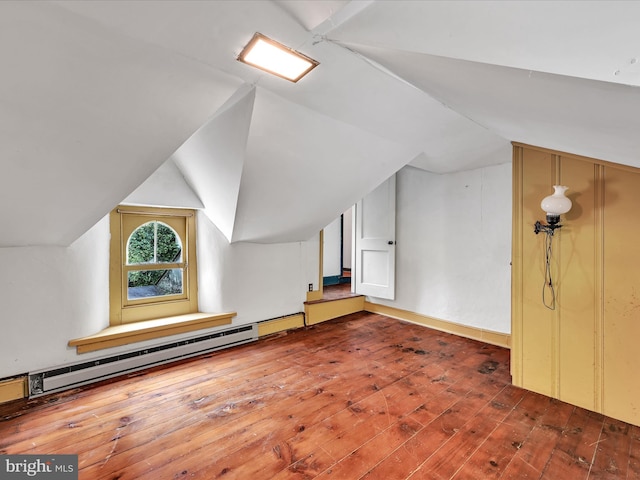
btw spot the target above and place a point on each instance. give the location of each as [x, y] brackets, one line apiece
[275, 58]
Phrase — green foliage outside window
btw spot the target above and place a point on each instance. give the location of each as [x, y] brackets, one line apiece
[154, 243]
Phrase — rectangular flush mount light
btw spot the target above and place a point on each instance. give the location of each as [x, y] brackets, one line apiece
[273, 57]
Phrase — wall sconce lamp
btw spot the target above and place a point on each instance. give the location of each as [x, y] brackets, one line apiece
[554, 205]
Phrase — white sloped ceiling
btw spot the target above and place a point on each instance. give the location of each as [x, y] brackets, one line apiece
[166, 187]
[302, 169]
[97, 96]
[587, 117]
[595, 39]
[212, 160]
[85, 117]
[562, 75]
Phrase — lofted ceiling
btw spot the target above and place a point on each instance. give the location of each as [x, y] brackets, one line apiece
[104, 101]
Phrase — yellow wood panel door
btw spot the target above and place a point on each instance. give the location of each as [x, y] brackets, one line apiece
[579, 283]
[622, 295]
[585, 351]
[538, 329]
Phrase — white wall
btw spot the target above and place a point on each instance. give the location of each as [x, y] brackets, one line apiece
[331, 250]
[347, 243]
[258, 281]
[333, 243]
[50, 295]
[453, 249]
[453, 254]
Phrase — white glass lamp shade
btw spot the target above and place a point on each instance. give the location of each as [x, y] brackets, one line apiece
[558, 203]
[555, 205]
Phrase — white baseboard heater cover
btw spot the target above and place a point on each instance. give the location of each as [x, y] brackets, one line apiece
[63, 378]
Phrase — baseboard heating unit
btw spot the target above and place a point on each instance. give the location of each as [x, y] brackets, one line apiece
[63, 378]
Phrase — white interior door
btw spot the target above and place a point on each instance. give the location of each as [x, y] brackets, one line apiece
[375, 242]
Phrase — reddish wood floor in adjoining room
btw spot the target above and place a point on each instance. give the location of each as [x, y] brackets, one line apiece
[333, 292]
[364, 396]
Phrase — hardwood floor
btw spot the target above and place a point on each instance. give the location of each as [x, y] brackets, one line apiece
[364, 396]
[332, 292]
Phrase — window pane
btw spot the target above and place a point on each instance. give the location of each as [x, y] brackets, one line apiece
[168, 243]
[154, 283]
[153, 242]
[140, 245]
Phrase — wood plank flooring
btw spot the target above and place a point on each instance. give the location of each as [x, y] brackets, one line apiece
[361, 397]
[334, 292]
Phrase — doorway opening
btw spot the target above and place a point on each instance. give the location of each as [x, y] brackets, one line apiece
[357, 250]
[337, 256]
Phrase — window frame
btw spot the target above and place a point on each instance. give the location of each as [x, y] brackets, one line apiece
[124, 220]
[130, 224]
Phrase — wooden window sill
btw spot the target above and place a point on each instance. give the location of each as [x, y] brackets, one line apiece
[149, 329]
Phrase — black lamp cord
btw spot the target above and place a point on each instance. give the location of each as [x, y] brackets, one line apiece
[548, 281]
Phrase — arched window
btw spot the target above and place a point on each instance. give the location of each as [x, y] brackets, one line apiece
[154, 262]
[153, 270]
[153, 289]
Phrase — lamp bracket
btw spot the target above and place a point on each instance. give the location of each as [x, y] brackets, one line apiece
[544, 228]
